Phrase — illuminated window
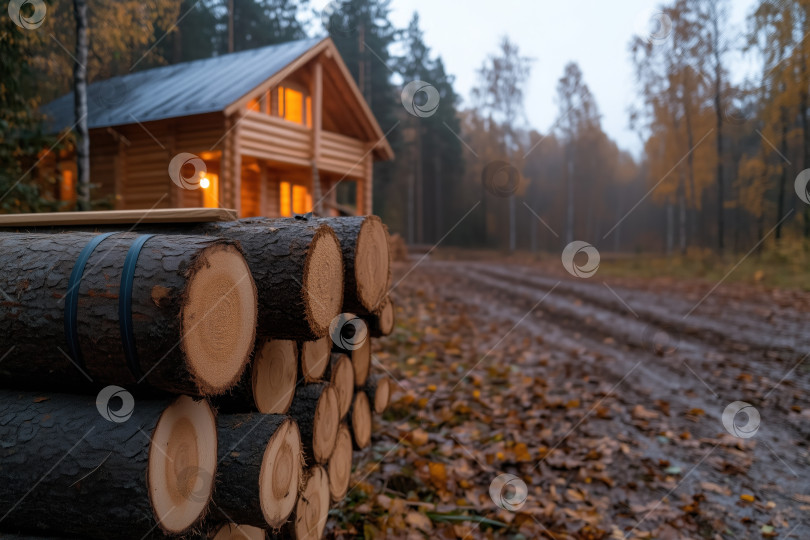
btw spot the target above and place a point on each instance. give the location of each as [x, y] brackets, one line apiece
[309, 112]
[301, 201]
[209, 185]
[67, 186]
[284, 199]
[254, 105]
[293, 106]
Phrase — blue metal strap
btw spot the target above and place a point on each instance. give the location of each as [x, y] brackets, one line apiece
[125, 304]
[72, 298]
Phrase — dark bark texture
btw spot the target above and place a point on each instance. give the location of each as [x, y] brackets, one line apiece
[86, 475]
[243, 438]
[34, 275]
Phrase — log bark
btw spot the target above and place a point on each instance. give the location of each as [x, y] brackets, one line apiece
[378, 388]
[381, 322]
[315, 409]
[193, 312]
[260, 468]
[311, 511]
[366, 261]
[67, 469]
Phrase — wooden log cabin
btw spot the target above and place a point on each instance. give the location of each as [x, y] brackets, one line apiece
[281, 129]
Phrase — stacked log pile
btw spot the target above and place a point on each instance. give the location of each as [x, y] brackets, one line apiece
[197, 380]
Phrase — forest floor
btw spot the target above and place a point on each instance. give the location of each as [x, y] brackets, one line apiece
[604, 395]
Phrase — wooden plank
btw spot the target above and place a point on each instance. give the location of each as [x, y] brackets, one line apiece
[111, 217]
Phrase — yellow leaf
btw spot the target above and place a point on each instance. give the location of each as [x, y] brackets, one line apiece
[747, 498]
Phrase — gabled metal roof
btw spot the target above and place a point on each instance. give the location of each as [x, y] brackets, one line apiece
[189, 88]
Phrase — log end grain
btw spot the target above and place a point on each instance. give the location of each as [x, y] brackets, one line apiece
[342, 379]
[361, 361]
[315, 358]
[232, 531]
[360, 419]
[274, 373]
[312, 509]
[325, 425]
[182, 463]
[219, 318]
[379, 389]
[382, 321]
[339, 467]
[281, 474]
[323, 280]
[372, 265]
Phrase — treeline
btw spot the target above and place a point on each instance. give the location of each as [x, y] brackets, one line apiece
[718, 164]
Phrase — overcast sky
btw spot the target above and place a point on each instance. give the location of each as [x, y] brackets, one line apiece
[594, 33]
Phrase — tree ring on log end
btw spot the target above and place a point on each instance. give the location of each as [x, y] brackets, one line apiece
[326, 423]
[219, 318]
[281, 473]
[361, 420]
[313, 506]
[274, 374]
[232, 531]
[340, 464]
[322, 288]
[372, 263]
[182, 463]
[315, 357]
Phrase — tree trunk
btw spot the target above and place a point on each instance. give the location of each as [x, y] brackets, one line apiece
[378, 388]
[366, 261]
[66, 468]
[719, 116]
[80, 107]
[311, 511]
[259, 468]
[191, 321]
[780, 203]
[315, 408]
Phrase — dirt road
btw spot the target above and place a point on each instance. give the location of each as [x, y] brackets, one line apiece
[605, 397]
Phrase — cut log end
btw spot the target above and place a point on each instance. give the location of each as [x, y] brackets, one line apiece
[325, 425]
[379, 388]
[314, 358]
[281, 474]
[312, 509]
[219, 318]
[275, 369]
[182, 463]
[361, 420]
[361, 362]
[232, 531]
[340, 464]
[323, 280]
[382, 322]
[343, 382]
[372, 263]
